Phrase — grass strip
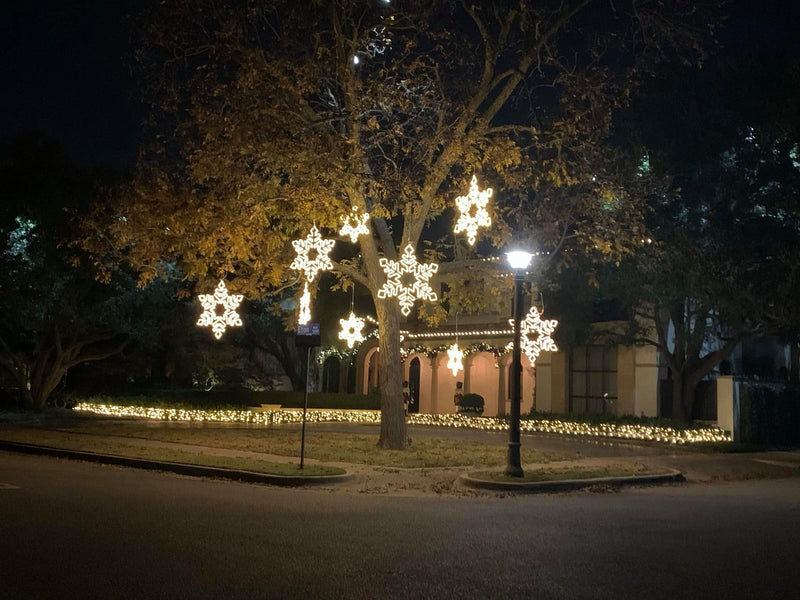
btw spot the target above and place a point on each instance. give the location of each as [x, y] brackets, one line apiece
[103, 445]
[329, 447]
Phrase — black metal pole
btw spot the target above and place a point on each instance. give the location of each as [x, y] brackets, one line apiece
[305, 409]
[514, 465]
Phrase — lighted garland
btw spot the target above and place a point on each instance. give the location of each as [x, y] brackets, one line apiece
[229, 316]
[468, 220]
[285, 416]
[396, 287]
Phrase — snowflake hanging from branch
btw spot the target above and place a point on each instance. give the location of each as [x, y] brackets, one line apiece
[407, 280]
[351, 329]
[355, 224]
[469, 221]
[535, 334]
[312, 254]
[211, 318]
[456, 359]
[305, 306]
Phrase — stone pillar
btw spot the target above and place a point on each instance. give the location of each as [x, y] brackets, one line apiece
[646, 377]
[728, 405]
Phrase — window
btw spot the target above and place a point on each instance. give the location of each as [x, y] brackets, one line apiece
[593, 379]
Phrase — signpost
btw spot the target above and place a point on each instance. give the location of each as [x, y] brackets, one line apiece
[307, 337]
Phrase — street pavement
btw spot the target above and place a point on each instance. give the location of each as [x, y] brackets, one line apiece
[70, 529]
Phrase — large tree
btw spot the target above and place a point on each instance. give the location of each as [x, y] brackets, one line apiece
[55, 314]
[271, 117]
[724, 150]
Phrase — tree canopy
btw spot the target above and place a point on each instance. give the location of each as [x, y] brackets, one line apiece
[270, 118]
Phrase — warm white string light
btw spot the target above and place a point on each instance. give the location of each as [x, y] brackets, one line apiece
[355, 224]
[407, 293]
[305, 306]
[535, 334]
[312, 254]
[229, 316]
[351, 329]
[469, 221]
[455, 359]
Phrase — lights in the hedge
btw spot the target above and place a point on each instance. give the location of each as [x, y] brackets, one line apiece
[304, 317]
[355, 224]
[312, 254]
[470, 220]
[535, 334]
[211, 318]
[351, 329]
[406, 291]
[455, 359]
[285, 416]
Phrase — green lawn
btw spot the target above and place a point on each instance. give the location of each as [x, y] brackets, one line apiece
[95, 434]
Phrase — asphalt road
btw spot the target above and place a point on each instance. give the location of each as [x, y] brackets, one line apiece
[79, 530]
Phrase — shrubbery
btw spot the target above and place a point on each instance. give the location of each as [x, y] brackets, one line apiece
[769, 415]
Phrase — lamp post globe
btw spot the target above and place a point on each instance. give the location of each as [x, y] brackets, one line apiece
[518, 260]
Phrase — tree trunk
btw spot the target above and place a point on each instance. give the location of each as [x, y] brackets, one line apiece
[390, 373]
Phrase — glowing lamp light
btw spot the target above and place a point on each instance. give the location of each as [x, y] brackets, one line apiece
[405, 291]
[535, 334]
[312, 254]
[519, 259]
[469, 221]
[305, 306]
[211, 318]
[456, 359]
[351, 329]
[355, 224]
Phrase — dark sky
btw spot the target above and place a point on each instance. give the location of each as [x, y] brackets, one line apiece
[64, 72]
[64, 69]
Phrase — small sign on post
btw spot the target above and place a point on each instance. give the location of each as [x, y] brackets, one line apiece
[308, 336]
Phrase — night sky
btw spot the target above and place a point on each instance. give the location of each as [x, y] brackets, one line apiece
[65, 70]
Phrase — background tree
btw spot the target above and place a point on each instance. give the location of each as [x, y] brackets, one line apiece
[55, 314]
[271, 117]
[725, 145]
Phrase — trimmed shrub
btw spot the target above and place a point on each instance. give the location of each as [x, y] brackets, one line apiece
[471, 403]
[769, 415]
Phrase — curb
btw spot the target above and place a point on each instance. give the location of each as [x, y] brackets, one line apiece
[567, 485]
[172, 467]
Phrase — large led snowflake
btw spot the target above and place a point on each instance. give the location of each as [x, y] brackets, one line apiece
[400, 275]
[535, 334]
[211, 317]
[469, 221]
[305, 306]
[351, 329]
[355, 224]
[312, 254]
[456, 356]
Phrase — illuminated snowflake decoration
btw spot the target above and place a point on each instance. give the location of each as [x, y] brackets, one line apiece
[535, 334]
[456, 356]
[312, 254]
[305, 306]
[470, 220]
[351, 329]
[212, 318]
[399, 275]
[355, 224]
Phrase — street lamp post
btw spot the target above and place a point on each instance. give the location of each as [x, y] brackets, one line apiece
[518, 260]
